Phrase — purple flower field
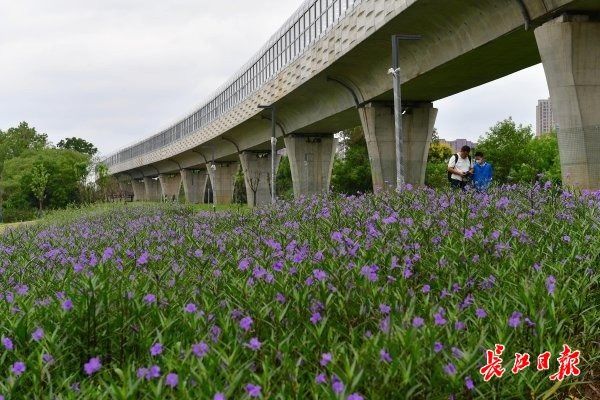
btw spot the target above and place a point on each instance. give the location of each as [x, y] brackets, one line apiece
[394, 296]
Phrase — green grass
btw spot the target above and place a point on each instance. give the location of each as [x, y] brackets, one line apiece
[326, 275]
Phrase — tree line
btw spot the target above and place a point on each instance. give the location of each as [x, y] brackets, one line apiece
[35, 174]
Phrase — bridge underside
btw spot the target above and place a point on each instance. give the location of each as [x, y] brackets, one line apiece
[464, 44]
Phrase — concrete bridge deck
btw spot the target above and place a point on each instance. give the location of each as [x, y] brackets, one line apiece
[325, 70]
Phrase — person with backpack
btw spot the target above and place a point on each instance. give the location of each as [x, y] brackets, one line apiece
[482, 173]
[460, 168]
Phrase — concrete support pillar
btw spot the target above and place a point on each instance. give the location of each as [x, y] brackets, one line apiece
[139, 190]
[170, 186]
[311, 161]
[257, 176]
[417, 125]
[570, 50]
[126, 187]
[378, 127]
[222, 179]
[152, 187]
[194, 185]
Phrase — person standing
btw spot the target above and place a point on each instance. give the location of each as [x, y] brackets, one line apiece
[482, 173]
[460, 168]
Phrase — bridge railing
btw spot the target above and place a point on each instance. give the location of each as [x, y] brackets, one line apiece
[306, 26]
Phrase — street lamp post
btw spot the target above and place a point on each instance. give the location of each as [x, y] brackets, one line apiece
[398, 134]
[273, 148]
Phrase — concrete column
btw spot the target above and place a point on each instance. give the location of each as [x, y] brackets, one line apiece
[194, 185]
[170, 186]
[417, 126]
[152, 187]
[570, 50]
[139, 190]
[311, 161]
[257, 176]
[378, 127]
[222, 176]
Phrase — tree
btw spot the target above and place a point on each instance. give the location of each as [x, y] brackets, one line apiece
[439, 153]
[39, 181]
[78, 144]
[505, 146]
[15, 141]
[352, 169]
[66, 170]
[543, 161]
[283, 184]
[239, 188]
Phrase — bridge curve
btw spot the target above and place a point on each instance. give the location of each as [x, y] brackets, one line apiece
[330, 59]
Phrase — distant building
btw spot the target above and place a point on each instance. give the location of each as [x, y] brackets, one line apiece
[544, 120]
[457, 144]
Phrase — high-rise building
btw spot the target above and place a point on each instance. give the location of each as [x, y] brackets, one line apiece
[544, 121]
[457, 144]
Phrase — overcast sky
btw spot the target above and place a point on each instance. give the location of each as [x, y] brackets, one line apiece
[116, 71]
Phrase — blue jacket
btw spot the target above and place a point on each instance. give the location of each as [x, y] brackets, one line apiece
[482, 175]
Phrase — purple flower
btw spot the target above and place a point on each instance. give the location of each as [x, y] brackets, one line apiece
[450, 369]
[315, 318]
[319, 274]
[426, 289]
[93, 365]
[536, 266]
[254, 344]
[469, 383]
[459, 326]
[7, 343]
[18, 368]
[150, 298]
[171, 380]
[370, 272]
[246, 323]
[326, 359]
[337, 385]
[418, 322]
[456, 352]
[143, 259]
[437, 347]
[156, 349]
[244, 264]
[148, 373]
[280, 298]
[439, 317]
[38, 334]
[566, 238]
[219, 396]
[480, 313]
[321, 378]
[384, 308]
[385, 356]
[515, 319]
[67, 305]
[190, 308]
[253, 390]
[200, 349]
[142, 372]
[355, 396]
[551, 284]
[47, 358]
